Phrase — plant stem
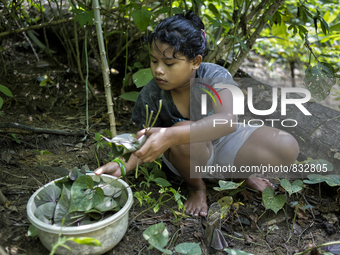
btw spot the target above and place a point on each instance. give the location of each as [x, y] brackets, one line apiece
[318, 246]
[105, 68]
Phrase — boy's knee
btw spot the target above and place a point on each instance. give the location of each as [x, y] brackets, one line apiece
[289, 148]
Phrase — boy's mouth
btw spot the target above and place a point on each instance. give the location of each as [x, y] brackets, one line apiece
[160, 80]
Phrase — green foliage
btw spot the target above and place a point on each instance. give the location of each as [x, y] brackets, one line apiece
[319, 80]
[227, 185]
[80, 201]
[80, 240]
[331, 180]
[7, 92]
[141, 18]
[83, 194]
[15, 139]
[42, 152]
[142, 77]
[271, 201]
[189, 248]
[158, 236]
[296, 186]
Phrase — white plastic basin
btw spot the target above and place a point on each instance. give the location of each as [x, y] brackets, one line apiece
[109, 231]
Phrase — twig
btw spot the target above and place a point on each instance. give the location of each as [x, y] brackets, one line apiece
[39, 130]
[21, 177]
[20, 30]
[243, 240]
[29, 42]
[318, 246]
[39, 183]
[3, 199]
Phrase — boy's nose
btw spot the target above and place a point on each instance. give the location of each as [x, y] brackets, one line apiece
[159, 70]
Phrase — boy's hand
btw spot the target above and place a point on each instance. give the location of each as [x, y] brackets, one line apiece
[156, 144]
[111, 168]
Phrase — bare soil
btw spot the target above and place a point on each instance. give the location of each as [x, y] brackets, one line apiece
[61, 106]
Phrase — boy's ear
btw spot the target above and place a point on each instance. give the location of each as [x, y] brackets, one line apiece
[197, 62]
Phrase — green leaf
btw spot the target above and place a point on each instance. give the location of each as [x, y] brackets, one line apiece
[142, 77]
[83, 196]
[158, 237]
[85, 17]
[237, 252]
[214, 10]
[227, 185]
[189, 248]
[331, 180]
[291, 188]
[75, 173]
[32, 231]
[62, 207]
[177, 10]
[85, 240]
[6, 91]
[141, 18]
[130, 96]
[1, 102]
[108, 204]
[162, 182]
[162, 10]
[50, 193]
[225, 204]
[45, 212]
[319, 80]
[271, 202]
[242, 43]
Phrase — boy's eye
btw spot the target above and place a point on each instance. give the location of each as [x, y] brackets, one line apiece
[169, 64]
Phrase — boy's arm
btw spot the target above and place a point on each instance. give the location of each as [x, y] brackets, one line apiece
[113, 168]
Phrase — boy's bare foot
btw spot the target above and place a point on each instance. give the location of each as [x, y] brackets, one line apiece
[257, 183]
[196, 203]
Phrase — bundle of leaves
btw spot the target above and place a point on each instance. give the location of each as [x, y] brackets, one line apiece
[79, 199]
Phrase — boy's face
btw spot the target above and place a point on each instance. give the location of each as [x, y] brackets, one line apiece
[172, 73]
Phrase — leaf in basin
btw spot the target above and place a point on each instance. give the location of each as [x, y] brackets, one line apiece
[158, 236]
[50, 193]
[83, 196]
[45, 212]
[292, 188]
[227, 185]
[271, 202]
[107, 204]
[75, 173]
[63, 206]
[94, 214]
[66, 182]
[118, 192]
[189, 248]
[108, 189]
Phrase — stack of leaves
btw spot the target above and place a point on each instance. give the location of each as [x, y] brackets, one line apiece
[79, 199]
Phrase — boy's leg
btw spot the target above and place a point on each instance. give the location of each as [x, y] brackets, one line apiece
[179, 157]
[266, 146]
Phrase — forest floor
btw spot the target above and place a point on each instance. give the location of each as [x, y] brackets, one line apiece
[61, 106]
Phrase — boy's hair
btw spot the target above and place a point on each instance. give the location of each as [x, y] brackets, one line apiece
[185, 33]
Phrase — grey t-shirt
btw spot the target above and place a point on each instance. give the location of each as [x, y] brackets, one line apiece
[169, 115]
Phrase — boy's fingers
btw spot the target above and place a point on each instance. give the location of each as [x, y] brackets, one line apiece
[109, 168]
[140, 133]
